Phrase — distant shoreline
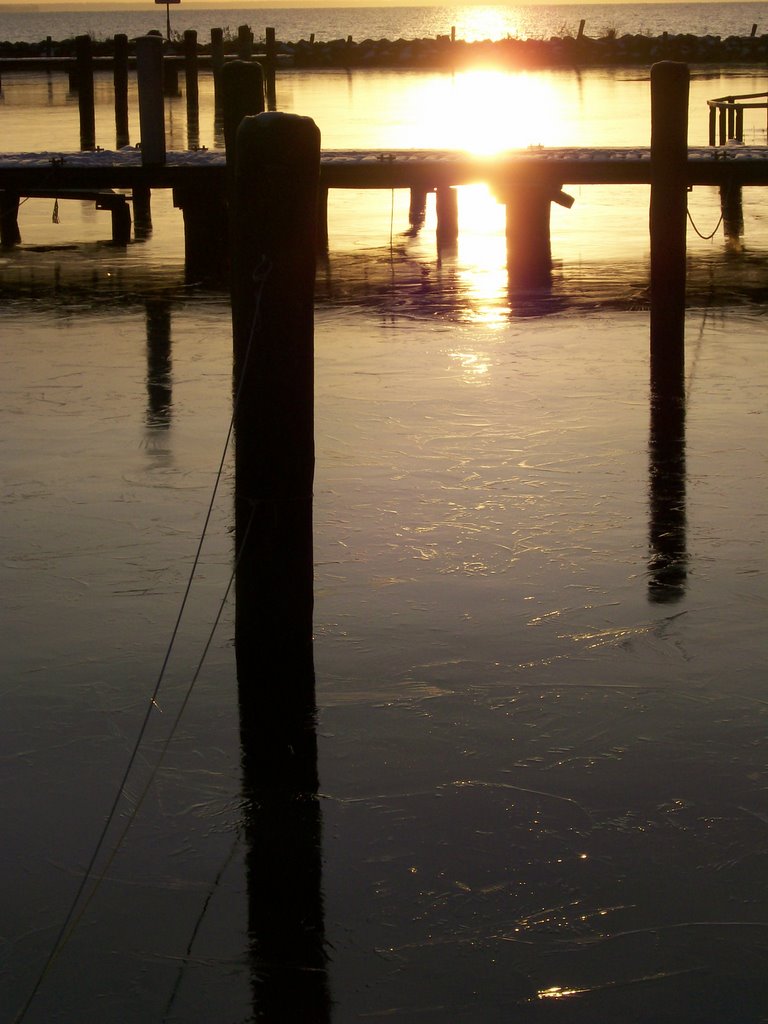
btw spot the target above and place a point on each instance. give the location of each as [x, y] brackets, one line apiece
[444, 52]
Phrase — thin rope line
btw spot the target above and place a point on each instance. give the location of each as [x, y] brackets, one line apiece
[705, 237]
[70, 920]
[158, 764]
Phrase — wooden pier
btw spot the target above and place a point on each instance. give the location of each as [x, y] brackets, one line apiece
[196, 177]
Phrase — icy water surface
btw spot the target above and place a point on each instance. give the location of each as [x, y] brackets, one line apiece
[539, 631]
[542, 787]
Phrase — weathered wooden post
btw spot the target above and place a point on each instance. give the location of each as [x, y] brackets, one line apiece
[170, 76]
[529, 247]
[322, 219]
[9, 220]
[274, 229]
[270, 68]
[668, 216]
[732, 209]
[191, 89]
[447, 207]
[242, 89]
[417, 210]
[149, 67]
[190, 69]
[120, 81]
[85, 100]
[142, 211]
[217, 61]
[244, 42]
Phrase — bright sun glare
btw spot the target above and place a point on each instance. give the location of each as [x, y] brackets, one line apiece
[484, 111]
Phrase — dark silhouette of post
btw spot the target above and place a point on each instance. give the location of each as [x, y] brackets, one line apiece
[447, 208]
[244, 42]
[274, 228]
[191, 88]
[120, 81]
[668, 216]
[274, 199]
[85, 97]
[242, 92]
[270, 68]
[10, 235]
[149, 66]
[217, 60]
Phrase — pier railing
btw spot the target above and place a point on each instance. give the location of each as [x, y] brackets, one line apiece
[726, 116]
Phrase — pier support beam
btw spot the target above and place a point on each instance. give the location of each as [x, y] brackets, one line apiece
[9, 220]
[205, 232]
[274, 228]
[668, 217]
[417, 209]
[447, 206]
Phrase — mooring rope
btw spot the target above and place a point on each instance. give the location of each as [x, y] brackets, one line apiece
[712, 234]
[73, 915]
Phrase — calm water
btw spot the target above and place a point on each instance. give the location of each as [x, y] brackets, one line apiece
[472, 22]
[541, 753]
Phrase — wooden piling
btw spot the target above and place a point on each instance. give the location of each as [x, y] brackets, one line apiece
[217, 61]
[242, 91]
[190, 68]
[417, 209]
[274, 228]
[191, 89]
[732, 209]
[270, 67]
[668, 217]
[447, 206]
[244, 42]
[120, 80]
[582, 23]
[9, 220]
[85, 98]
[529, 248]
[149, 67]
[142, 211]
[170, 77]
[322, 219]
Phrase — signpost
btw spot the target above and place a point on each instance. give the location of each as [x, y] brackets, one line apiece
[168, 15]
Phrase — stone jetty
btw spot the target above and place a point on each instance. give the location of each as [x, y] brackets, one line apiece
[447, 52]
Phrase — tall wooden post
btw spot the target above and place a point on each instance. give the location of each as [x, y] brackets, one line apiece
[668, 216]
[191, 88]
[120, 80]
[217, 61]
[447, 207]
[529, 248]
[242, 91]
[244, 42]
[274, 228]
[85, 100]
[190, 68]
[149, 66]
[9, 220]
[270, 67]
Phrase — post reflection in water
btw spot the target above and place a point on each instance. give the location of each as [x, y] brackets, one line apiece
[667, 564]
[159, 380]
[285, 905]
